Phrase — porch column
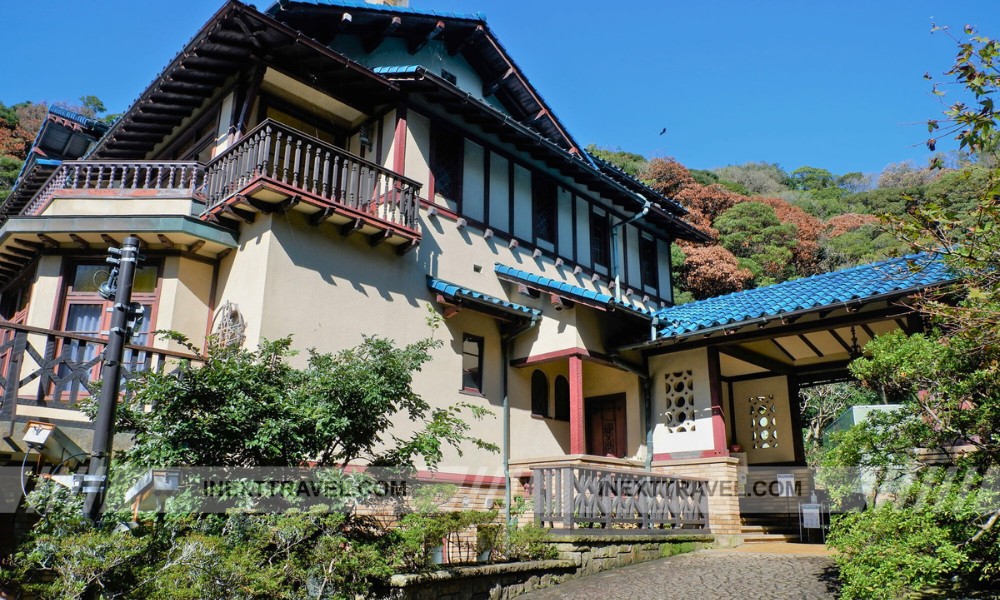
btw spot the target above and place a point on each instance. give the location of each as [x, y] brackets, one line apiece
[718, 419]
[577, 416]
[399, 142]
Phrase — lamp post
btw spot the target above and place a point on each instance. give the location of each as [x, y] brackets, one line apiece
[118, 286]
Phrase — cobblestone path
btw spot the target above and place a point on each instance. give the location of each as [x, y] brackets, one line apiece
[709, 575]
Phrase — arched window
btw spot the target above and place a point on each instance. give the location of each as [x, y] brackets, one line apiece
[562, 398]
[539, 394]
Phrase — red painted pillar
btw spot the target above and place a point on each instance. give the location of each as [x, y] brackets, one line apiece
[718, 417]
[577, 417]
[399, 142]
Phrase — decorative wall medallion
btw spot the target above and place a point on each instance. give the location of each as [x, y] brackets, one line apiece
[230, 328]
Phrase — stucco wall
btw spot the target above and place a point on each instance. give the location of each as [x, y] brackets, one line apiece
[775, 391]
[663, 367]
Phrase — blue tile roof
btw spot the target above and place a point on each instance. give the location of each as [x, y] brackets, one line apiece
[452, 291]
[897, 275]
[361, 4]
[567, 289]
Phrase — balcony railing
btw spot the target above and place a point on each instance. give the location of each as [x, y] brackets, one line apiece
[123, 177]
[56, 369]
[293, 160]
[573, 497]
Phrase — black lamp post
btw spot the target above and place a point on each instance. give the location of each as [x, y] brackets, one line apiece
[118, 286]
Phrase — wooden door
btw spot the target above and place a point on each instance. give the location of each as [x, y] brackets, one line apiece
[606, 425]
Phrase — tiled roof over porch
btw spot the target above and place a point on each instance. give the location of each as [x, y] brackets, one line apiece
[893, 277]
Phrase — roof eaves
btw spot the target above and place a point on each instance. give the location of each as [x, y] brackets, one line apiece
[454, 291]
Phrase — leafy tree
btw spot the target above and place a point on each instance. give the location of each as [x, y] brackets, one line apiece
[9, 169]
[752, 231]
[630, 162]
[948, 380]
[711, 271]
[904, 175]
[758, 178]
[812, 178]
[854, 182]
[821, 405]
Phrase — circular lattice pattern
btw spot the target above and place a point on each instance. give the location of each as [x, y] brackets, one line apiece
[230, 328]
[679, 413]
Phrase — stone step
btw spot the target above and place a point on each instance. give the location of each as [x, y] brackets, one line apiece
[760, 538]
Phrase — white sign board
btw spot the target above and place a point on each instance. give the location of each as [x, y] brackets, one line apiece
[811, 516]
[786, 485]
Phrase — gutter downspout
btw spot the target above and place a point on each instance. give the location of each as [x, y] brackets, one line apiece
[506, 346]
[614, 243]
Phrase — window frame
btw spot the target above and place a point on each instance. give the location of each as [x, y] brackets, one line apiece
[477, 374]
[649, 267]
[544, 211]
[600, 222]
[539, 404]
[455, 169]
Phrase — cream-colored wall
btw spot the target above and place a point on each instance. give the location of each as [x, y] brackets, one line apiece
[225, 120]
[91, 206]
[532, 436]
[418, 149]
[776, 387]
[682, 441]
[243, 277]
[185, 295]
[45, 291]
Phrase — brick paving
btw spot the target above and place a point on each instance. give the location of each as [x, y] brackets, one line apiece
[710, 574]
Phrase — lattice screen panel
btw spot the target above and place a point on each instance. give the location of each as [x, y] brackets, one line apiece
[763, 421]
[679, 413]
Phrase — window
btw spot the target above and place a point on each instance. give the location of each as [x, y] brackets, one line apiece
[648, 268]
[544, 211]
[447, 150]
[600, 240]
[85, 312]
[472, 363]
[562, 399]
[539, 394]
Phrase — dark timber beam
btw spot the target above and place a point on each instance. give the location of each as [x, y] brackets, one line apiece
[239, 213]
[460, 45]
[777, 345]
[416, 44]
[406, 248]
[376, 239]
[811, 346]
[109, 240]
[321, 216]
[840, 340]
[491, 87]
[49, 242]
[165, 240]
[35, 246]
[374, 41]
[196, 246]
[350, 227]
[756, 359]
[21, 251]
[79, 241]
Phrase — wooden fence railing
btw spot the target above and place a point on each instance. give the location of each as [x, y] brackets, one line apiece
[581, 497]
[56, 369]
[301, 162]
[122, 176]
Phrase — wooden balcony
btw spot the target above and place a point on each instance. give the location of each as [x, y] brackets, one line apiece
[607, 499]
[51, 369]
[119, 179]
[275, 168]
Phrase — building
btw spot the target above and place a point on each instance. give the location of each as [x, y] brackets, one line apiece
[331, 168]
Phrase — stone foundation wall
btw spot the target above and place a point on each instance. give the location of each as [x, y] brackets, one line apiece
[578, 555]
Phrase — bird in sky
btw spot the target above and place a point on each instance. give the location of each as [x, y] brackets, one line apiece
[662, 131]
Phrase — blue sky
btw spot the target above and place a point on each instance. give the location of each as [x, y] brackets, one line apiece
[836, 84]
